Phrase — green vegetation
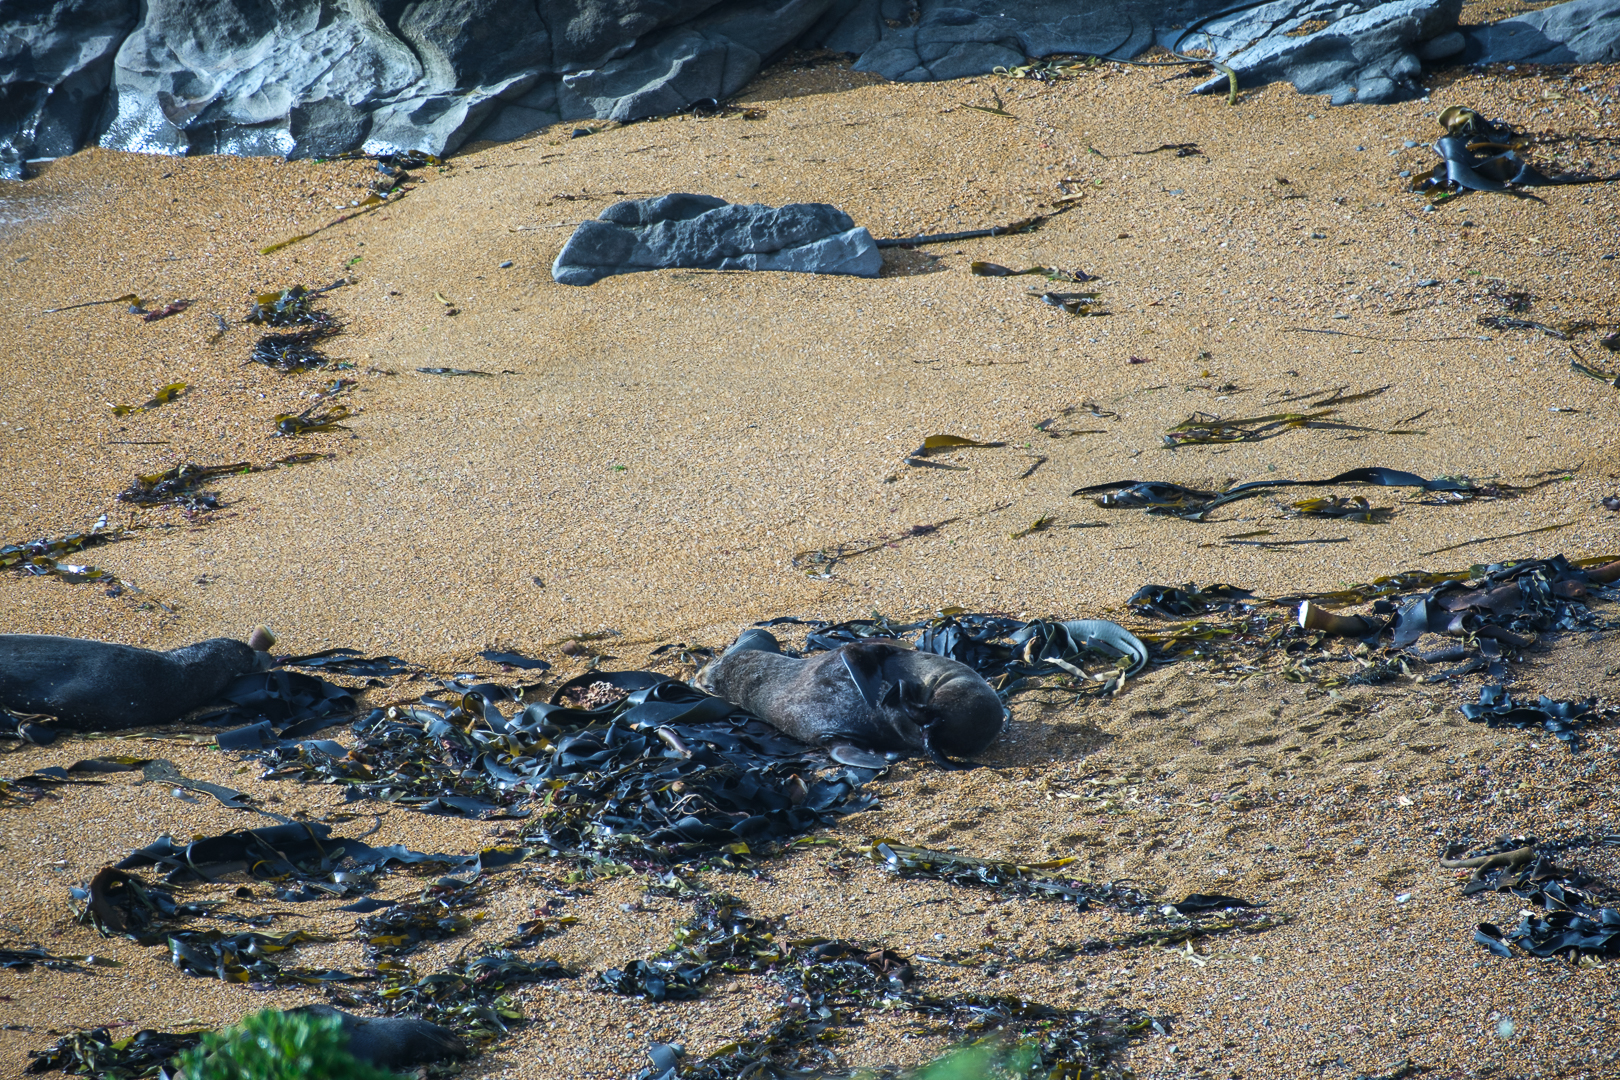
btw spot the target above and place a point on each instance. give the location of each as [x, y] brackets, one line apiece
[273, 1045]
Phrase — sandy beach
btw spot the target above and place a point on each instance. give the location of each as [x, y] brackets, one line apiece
[669, 457]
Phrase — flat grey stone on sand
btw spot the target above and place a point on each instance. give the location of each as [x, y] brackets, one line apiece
[703, 232]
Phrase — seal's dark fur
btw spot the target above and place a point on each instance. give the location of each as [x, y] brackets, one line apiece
[100, 686]
[393, 1043]
[874, 694]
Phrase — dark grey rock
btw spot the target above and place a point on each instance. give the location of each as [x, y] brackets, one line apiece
[101, 686]
[309, 77]
[56, 60]
[663, 77]
[1367, 53]
[703, 232]
[1446, 45]
[1579, 32]
[956, 38]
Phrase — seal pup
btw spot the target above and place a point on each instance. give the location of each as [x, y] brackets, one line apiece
[393, 1043]
[100, 686]
[861, 700]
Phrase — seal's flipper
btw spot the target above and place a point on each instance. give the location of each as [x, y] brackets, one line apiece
[855, 756]
[865, 666]
[754, 640]
[939, 755]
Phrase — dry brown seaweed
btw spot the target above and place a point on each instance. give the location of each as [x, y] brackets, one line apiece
[98, 1052]
[179, 486]
[44, 558]
[161, 396]
[312, 419]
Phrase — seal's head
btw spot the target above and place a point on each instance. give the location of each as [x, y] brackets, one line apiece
[929, 702]
[751, 640]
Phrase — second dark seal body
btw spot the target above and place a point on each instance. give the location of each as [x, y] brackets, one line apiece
[101, 686]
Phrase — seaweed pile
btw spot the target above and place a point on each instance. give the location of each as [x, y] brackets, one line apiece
[1561, 719]
[826, 985]
[98, 1052]
[665, 774]
[1491, 612]
[180, 486]
[1582, 912]
[1163, 497]
[45, 558]
[470, 996]
[293, 310]
[301, 861]
[1477, 154]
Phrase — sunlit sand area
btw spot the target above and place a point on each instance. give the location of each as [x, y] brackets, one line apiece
[469, 474]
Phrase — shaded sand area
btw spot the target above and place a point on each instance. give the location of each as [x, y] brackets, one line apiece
[663, 455]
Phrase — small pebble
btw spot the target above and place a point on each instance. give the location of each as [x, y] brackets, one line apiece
[507, 265]
[1409, 143]
[1403, 898]
[1406, 172]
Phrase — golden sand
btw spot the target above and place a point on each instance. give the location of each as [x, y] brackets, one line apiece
[655, 450]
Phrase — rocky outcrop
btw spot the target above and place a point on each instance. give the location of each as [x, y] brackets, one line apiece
[1580, 32]
[1366, 52]
[56, 61]
[703, 232]
[318, 77]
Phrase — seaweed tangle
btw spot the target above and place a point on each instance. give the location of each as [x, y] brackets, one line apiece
[665, 774]
[45, 558]
[827, 984]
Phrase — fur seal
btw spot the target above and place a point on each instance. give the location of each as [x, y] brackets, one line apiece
[100, 686]
[395, 1043]
[860, 700]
